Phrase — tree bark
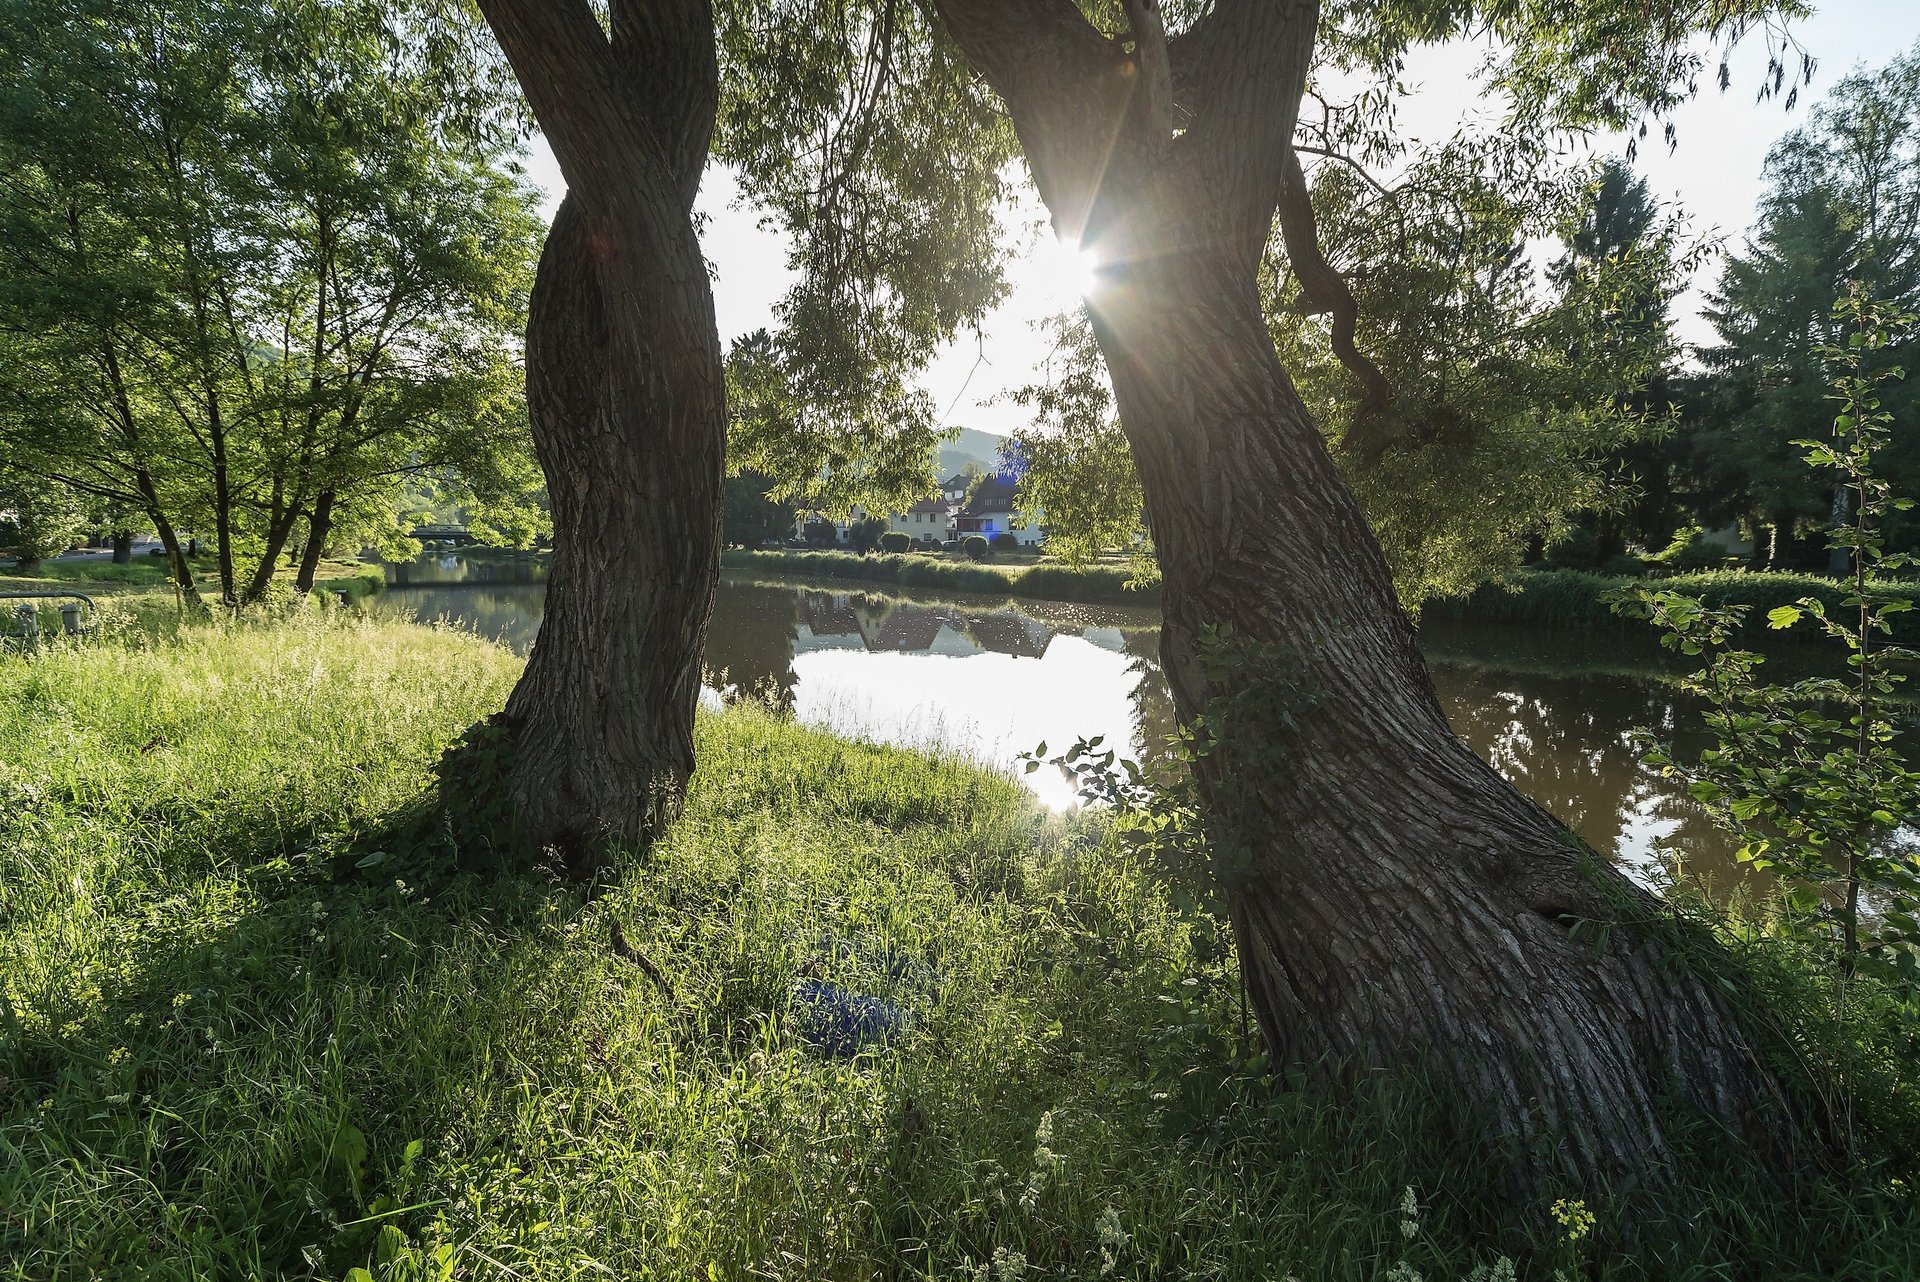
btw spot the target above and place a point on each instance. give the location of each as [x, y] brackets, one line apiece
[627, 396]
[1396, 903]
[123, 547]
[319, 526]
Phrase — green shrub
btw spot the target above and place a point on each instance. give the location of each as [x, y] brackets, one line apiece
[1576, 599]
[1004, 542]
[1577, 549]
[975, 547]
[895, 541]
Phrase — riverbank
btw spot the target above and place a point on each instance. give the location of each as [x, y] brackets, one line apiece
[1580, 601]
[1088, 585]
[244, 1037]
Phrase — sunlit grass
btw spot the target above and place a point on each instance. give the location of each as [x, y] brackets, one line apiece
[239, 1042]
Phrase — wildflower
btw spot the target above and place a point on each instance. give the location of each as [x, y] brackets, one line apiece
[1112, 1239]
[1409, 1215]
[119, 1099]
[1403, 1272]
[1501, 1270]
[1008, 1266]
[118, 1055]
[181, 999]
[1574, 1217]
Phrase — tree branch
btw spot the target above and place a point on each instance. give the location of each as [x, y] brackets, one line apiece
[1153, 100]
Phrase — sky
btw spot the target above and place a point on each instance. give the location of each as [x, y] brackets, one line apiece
[1713, 174]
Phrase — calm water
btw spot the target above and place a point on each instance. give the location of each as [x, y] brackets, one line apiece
[993, 679]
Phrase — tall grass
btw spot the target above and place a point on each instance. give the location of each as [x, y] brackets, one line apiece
[239, 1042]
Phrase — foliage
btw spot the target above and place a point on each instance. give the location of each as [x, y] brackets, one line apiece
[1579, 600]
[975, 547]
[1078, 467]
[37, 520]
[237, 1043]
[1810, 776]
[864, 136]
[895, 541]
[1842, 205]
[261, 267]
[1514, 386]
[748, 517]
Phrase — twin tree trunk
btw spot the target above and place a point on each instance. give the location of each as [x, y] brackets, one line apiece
[1396, 903]
[626, 392]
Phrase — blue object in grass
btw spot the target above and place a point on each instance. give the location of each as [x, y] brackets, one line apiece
[841, 1023]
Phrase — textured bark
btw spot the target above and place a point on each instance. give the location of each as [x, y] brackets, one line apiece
[123, 547]
[1397, 904]
[319, 527]
[627, 397]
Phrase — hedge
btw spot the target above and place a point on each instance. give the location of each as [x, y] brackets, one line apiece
[1579, 599]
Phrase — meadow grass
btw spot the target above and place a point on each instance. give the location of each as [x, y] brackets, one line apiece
[242, 1037]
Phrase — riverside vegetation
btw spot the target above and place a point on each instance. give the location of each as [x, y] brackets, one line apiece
[253, 1028]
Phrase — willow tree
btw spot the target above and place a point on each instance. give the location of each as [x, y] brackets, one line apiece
[626, 393]
[1396, 902]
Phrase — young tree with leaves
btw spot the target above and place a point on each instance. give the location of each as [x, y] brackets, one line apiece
[256, 272]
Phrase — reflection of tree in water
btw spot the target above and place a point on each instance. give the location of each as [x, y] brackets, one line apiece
[751, 637]
[509, 615]
[1153, 714]
[1566, 742]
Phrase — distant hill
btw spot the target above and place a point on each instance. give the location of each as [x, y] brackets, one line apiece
[972, 446]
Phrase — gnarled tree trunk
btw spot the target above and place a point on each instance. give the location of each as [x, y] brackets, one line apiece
[627, 396]
[1397, 903]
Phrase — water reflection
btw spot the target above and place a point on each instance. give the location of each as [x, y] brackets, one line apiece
[992, 679]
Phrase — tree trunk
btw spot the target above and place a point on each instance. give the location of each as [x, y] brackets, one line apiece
[319, 526]
[1839, 519]
[627, 398]
[1397, 904]
[123, 547]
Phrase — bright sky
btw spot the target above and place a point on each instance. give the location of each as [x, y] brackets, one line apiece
[1714, 174]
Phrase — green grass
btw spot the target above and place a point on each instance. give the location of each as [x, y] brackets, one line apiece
[143, 571]
[1577, 600]
[238, 1042]
[1090, 585]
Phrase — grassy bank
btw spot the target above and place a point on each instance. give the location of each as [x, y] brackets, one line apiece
[239, 1041]
[1576, 600]
[1092, 585]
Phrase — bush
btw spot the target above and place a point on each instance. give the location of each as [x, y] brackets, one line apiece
[1004, 542]
[1578, 549]
[894, 541]
[1578, 599]
[975, 547]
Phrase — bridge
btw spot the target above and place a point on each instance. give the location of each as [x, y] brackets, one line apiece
[458, 535]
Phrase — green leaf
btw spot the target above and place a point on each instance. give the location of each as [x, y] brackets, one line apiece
[1784, 616]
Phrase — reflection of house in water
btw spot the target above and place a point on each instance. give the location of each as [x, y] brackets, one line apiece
[828, 621]
[1007, 632]
[1106, 638]
[913, 628]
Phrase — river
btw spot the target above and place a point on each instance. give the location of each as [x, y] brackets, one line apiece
[992, 678]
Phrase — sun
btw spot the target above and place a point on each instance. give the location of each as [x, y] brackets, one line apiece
[1066, 273]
